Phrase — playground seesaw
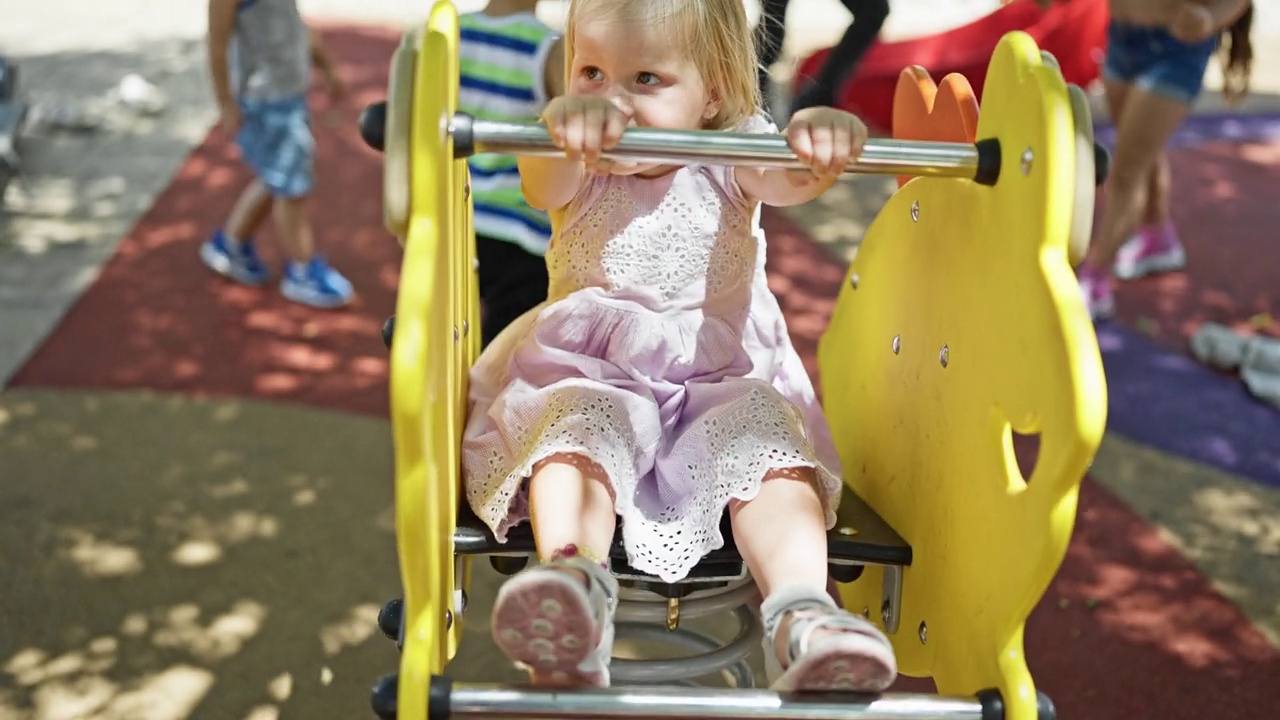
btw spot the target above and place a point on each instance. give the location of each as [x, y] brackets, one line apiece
[958, 324]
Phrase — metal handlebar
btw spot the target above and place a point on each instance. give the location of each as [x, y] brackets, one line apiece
[979, 162]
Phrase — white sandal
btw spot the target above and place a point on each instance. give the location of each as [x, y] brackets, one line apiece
[551, 624]
[854, 656]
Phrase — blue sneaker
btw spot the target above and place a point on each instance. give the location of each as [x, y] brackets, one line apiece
[240, 263]
[316, 284]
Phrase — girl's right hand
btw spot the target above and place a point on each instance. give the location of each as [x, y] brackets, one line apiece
[583, 126]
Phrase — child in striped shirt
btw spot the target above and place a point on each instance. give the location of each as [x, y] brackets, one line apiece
[512, 64]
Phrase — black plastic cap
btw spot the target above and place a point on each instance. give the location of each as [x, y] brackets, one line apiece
[993, 706]
[1044, 707]
[388, 330]
[373, 125]
[988, 171]
[438, 705]
[463, 140]
[383, 698]
[1101, 163]
[390, 617]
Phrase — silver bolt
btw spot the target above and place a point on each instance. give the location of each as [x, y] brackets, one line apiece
[456, 335]
[466, 328]
[1027, 157]
[924, 633]
[915, 211]
[884, 612]
[897, 344]
[866, 612]
[853, 281]
[944, 355]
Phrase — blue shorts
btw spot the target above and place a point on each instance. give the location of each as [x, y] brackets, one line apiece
[1153, 60]
[276, 142]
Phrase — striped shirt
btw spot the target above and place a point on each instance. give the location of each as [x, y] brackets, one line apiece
[502, 67]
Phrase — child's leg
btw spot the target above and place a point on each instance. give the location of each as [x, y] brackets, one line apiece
[231, 251]
[308, 279]
[1154, 247]
[781, 534]
[869, 17]
[556, 618]
[1147, 122]
[249, 212]
[294, 227]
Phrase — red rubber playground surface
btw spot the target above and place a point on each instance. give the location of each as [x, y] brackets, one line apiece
[1129, 629]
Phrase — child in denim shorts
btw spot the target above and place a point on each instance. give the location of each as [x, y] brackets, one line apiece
[1157, 53]
[260, 54]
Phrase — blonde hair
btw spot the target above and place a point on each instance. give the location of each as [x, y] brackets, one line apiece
[714, 33]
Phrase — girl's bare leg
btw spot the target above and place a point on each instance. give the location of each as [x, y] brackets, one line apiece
[782, 536]
[572, 505]
[556, 618]
[1144, 124]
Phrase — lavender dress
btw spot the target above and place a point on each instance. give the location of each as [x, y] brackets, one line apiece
[661, 355]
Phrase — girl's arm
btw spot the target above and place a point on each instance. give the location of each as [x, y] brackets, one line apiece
[549, 183]
[782, 188]
[823, 138]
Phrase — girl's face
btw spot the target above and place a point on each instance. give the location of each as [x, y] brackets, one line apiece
[642, 72]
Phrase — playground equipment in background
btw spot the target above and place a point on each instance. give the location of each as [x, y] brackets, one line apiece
[959, 323]
[1074, 32]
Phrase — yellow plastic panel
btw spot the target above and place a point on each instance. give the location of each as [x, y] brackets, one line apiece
[962, 318]
[426, 388]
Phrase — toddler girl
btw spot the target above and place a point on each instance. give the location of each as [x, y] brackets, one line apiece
[657, 384]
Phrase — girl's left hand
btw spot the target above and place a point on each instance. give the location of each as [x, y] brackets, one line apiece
[826, 140]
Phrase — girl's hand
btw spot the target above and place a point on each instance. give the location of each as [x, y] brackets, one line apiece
[826, 140]
[1192, 23]
[583, 126]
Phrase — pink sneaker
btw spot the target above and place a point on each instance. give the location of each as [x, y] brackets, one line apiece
[1095, 286]
[1154, 249]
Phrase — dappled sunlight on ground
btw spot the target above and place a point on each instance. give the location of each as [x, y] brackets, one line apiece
[168, 558]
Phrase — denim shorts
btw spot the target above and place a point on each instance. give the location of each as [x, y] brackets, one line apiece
[276, 142]
[1151, 59]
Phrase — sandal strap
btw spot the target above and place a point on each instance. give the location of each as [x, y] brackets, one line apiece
[805, 622]
[599, 581]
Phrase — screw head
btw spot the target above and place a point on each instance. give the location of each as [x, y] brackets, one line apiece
[924, 633]
[897, 344]
[457, 335]
[853, 281]
[1027, 157]
[915, 211]
[944, 355]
